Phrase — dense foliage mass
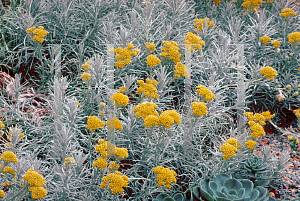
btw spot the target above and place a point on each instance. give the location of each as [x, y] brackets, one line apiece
[146, 100]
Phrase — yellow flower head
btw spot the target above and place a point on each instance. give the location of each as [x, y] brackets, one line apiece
[124, 55]
[268, 72]
[9, 156]
[294, 37]
[152, 60]
[39, 33]
[265, 39]
[253, 4]
[297, 112]
[171, 49]
[203, 91]
[165, 176]
[250, 144]
[101, 113]
[8, 169]
[199, 108]
[268, 115]
[30, 30]
[151, 120]
[148, 88]
[194, 40]
[104, 147]
[122, 89]
[234, 142]
[69, 160]
[121, 99]
[292, 137]
[257, 129]
[37, 192]
[169, 117]
[145, 109]
[150, 46]
[113, 166]
[34, 178]
[275, 43]
[180, 70]
[94, 123]
[121, 153]
[200, 23]
[102, 105]
[228, 149]
[100, 163]
[85, 76]
[1, 125]
[2, 193]
[114, 124]
[86, 65]
[116, 181]
[287, 12]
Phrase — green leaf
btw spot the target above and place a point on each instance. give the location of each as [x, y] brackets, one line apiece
[262, 192]
[220, 194]
[241, 193]
[232, 197]
[212, 187]
[188, 195]
[247, 185]
[178, 197]
[220, 179]
[232, 192]
[253, 195]
[162, 196]
[233, 184]
[261, 182]
[168, 199]
[222, 199]
[204, 190]
[224, 190]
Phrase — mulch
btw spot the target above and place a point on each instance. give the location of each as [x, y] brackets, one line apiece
[288, 186]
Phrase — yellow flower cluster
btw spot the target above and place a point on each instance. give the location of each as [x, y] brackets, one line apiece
[250, 144]
[122, 89]
[1, 125]
[114, 124]
[148, 88]
[194, 40]
[36, 181]
[265, 39]
[228, 149]
[39, 33]
[102, 105]
[294, 37]
[85, 76]
[199, 23]
[199, 108]
[180, 70]
[217, 1]
[152, 60]
[145, 109]
[103, 146]
[117, 182]
[86, 65]
[234, 142]
[113, 166]
[203, 91]
[259, 118]
[257, 129]
[151, 120]
[94, 123]
[268, 72]
[121, 99]
[297, 112]
[124, 55]
[171, 49]
[10, 136]
[168, 117]
[7, 169]
[100, 163]
[69, 160]
[253, 4]
[165, 176]
[2, 193]
[9, 156]
[150, 46]
[38, 192]
[287, 12]
[275, 43]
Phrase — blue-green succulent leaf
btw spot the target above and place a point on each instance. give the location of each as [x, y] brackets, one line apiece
[196, 192]
[220, 179]
[241, 193]
[162, 196]
[178, 197]
[232, 192]
[213, 187]
[261, 182]
[188, 196]
[253, 195]
[204, 191]
[224, 190]
[232, 197]
[168, 199]
[247, 185]
[223, 199]
[233, 184]
[220, 194]
[262, 193]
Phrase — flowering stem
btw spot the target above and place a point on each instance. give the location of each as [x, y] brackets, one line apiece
[25, 190]
[148, 141]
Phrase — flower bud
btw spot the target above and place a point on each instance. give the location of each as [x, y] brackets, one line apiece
[288, 86]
